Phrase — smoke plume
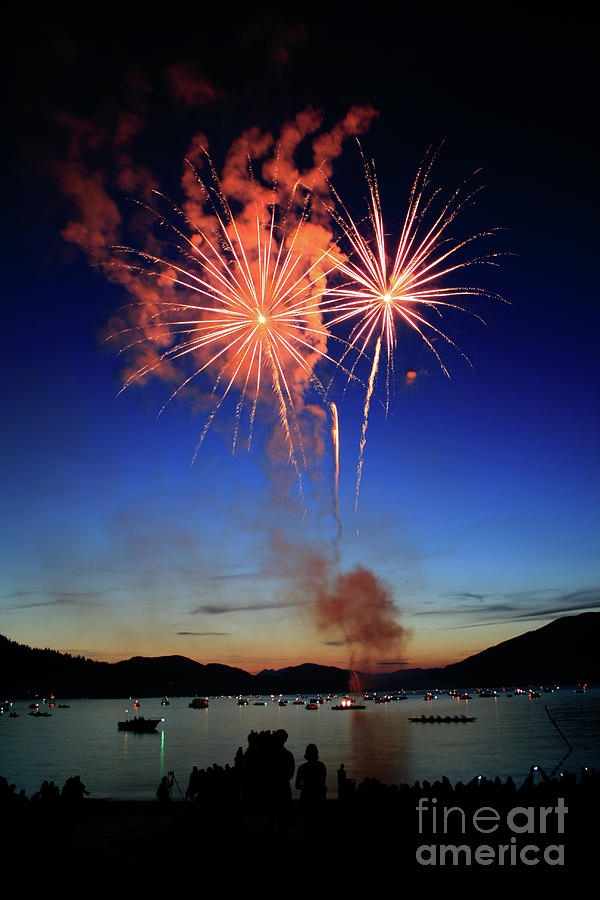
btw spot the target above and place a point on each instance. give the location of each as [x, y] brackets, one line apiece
[354, 609]
[144, 245]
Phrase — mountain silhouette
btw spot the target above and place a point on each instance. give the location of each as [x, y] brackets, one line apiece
[564, 651]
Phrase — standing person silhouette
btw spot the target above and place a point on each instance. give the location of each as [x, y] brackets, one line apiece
[341, 780]
[280, 766]
[311, 781]
[193, 788]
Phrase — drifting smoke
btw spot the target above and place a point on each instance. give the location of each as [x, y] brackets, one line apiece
[359, 606]
[355, 609]
[229, 231]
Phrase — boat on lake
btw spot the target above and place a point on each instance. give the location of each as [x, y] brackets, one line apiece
[139, 725]
[198, 703]
[430, 720]
[347, 703]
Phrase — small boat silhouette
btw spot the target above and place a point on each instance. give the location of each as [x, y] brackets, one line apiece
[139, 725]
[429, 720]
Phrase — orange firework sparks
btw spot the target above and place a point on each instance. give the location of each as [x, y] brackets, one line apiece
[383, 295]
[259, 282]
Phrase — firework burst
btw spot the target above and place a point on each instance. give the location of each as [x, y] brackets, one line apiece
[384, 291]
[258, 280]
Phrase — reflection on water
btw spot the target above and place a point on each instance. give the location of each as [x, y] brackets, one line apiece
[509, 735]
[382, 743]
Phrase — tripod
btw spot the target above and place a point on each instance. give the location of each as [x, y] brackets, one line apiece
[172, 780]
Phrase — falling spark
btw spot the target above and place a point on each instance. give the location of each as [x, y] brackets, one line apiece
[335, 436]
[363, 437]
[381, 296]
[257, 317]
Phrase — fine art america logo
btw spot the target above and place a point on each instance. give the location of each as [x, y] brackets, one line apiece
[516, 826]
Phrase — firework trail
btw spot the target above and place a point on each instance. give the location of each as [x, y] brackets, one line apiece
[363, 437]
[335, 436]
[257, 317]
[379, 295]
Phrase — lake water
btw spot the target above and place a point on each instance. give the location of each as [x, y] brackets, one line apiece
[509, 735]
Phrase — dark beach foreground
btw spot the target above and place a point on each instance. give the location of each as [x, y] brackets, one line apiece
[367, 849]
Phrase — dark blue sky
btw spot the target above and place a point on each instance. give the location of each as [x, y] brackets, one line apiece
[479, 500]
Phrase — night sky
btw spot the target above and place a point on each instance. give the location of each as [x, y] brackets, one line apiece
[479, 498]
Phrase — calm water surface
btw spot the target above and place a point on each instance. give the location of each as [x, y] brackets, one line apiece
[508, 736]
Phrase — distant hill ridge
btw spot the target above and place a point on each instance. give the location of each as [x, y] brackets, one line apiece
[564, 651]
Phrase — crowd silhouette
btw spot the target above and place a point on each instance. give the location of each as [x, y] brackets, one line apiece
[49, 797]
[232, 819]
[259, 784]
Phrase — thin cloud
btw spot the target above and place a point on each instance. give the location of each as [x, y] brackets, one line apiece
[236, 576]
[66, 594]
[202, 633]
[526, 606]
[212, 610]
[393, 662]
[465, 610]
[59, 598]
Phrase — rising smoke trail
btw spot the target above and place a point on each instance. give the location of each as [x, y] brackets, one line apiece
[335, 436]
